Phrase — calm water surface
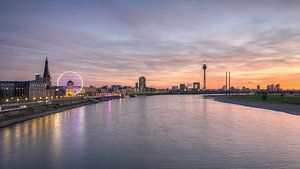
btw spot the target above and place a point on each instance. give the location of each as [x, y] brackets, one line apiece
[154, 132]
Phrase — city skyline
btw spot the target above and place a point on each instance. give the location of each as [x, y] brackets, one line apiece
[115, 42]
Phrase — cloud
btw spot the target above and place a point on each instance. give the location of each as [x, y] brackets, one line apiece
[117, 41]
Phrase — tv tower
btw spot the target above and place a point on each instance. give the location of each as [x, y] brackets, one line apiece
[204, 67]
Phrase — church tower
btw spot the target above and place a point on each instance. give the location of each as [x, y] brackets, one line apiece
[46, 76]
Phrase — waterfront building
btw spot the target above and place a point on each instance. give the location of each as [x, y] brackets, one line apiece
[174, 88]
[182, 87]
[56, 92]
[277, 87]
[126, 89]
[103, 89]
[7, 90]
[258, 87]
[270, 87]
[37, 88]
[46, 76]
[70, 89]
[273, 88]
[196, 86]
[142, 84]
[116, 88]
[90, 91]
[14, 90]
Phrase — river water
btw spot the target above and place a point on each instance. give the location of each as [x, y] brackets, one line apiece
[179, 131]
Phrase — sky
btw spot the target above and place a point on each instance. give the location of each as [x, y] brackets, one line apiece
[116, 41]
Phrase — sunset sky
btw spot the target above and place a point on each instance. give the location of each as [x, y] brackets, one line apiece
[114, 42]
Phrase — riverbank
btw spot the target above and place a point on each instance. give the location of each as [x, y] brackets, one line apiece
[275, 106]
[12, 117]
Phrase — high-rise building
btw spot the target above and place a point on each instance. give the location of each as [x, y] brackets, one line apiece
[258, 87]
[204, 67]
[196, 86]
[142, 82]
[182, 87]
[270, 87]
[46, 76]
[277, 87]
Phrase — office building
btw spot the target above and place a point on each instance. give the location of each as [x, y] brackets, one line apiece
[182, 87]
[196, 86]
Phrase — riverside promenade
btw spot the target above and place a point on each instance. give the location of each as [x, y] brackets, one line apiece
[20, 112]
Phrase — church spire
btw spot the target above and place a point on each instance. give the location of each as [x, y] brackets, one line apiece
[46, 76]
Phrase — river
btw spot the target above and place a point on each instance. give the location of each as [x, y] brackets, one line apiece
[179, 131]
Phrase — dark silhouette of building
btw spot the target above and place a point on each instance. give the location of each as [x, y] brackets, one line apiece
[182, 87]
[46, 76]
[258, 87]
[142, 82]
[196, 86]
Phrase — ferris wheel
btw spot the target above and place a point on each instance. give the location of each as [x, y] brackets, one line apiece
[74, 77]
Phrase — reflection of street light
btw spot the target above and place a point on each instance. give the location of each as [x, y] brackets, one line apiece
[26, 99]
[40, 98]
[51, 97]
[18, 99]
[34, 98]
[46, 97]
[6, 100]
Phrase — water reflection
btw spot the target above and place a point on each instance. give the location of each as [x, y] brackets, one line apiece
[108, 115]
[155, 132]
